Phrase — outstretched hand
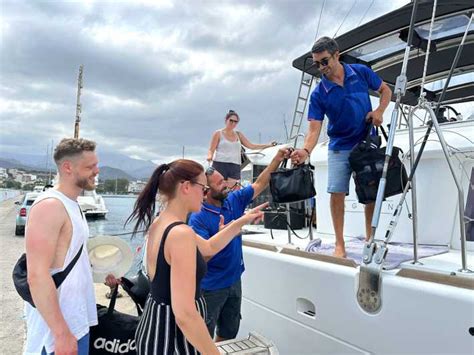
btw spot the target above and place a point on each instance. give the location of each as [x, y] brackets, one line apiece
[254, 215]
[112, 281]
[298, 156]
[284, 153]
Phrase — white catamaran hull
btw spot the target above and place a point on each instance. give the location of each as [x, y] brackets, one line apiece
[281, 291]
[417, 317]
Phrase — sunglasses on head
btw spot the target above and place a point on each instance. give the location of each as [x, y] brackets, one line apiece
[237, 183]
[323, 62]
[209, 171]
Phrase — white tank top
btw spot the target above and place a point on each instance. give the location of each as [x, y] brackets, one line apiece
[76, 294]
[227, 151]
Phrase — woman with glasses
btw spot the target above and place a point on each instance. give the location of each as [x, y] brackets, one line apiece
[173, 317]
[226, 147]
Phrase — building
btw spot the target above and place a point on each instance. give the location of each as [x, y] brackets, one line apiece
[3, 174]
[135, 187]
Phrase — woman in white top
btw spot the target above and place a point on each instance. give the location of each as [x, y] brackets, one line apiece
[226, 146]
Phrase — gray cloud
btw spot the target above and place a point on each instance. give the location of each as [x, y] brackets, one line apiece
[157, 77]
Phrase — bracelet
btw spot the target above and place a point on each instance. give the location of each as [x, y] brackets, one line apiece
[307, 151]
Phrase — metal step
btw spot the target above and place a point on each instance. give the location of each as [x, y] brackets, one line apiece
[253, 344]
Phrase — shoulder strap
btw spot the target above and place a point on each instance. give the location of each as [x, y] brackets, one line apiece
[238, 136]
[165, 235]
[384, 133]
[61, 276]
[113, 298]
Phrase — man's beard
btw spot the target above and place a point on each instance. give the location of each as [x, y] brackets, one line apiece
[219, 195]
[84, 184]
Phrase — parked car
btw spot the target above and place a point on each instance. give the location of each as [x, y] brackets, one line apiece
[22, 214]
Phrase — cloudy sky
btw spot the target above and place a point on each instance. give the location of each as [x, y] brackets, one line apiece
[158, 75]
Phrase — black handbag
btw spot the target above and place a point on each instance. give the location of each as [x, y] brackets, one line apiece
[292, 185]
[115, 331]
[138, 288]
[367, 160]
[20, 276]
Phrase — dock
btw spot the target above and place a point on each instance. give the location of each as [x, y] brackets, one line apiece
[12, 325]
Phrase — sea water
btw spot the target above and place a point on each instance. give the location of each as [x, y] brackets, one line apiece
[120, 207]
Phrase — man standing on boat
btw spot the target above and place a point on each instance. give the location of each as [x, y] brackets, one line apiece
[221, 286]
[56, 232]
[343, 96]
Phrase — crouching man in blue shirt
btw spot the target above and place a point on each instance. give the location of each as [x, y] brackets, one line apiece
[343, 96]
[221, 286]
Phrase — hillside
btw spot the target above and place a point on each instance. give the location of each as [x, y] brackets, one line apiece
[108, 173]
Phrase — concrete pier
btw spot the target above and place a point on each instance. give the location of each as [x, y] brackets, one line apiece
[12, 326]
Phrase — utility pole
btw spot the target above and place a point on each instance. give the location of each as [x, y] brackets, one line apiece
[78, 103]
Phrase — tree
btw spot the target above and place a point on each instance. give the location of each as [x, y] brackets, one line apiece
[119, 186]
[12, 184]
[28, 187]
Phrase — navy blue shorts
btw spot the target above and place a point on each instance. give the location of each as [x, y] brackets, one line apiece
[227, 170]
[223, 310]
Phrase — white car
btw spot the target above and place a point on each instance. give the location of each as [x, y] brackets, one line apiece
[22, 214]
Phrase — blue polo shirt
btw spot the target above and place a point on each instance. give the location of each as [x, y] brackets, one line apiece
[226, 267]
[345, 106]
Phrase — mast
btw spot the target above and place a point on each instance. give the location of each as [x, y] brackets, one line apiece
[50, 155]
[78, 103]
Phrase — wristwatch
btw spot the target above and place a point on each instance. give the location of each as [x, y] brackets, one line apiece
[307, 151]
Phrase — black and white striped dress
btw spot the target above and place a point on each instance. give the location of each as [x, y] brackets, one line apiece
[157, 332]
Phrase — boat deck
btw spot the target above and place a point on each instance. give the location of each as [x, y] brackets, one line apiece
[447, 263]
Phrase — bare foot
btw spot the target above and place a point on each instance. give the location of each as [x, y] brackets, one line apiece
[339, 252]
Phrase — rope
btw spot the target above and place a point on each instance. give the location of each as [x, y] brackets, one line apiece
[344, 20]
[319, 20]
[366, 11]
[425, 67]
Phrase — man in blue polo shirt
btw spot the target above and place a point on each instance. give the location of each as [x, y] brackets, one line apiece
[343, 96]
[221, 286]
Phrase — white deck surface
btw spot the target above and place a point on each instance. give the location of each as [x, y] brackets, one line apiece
[444, 263]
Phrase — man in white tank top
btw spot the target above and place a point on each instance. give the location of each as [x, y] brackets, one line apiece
[55, 231]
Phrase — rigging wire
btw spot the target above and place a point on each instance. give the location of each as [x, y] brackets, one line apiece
[425, 67]
[345, 17]
[453, 151]
[365, 13]
[319, 20]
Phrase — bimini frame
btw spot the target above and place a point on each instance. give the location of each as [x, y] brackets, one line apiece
[369, 291]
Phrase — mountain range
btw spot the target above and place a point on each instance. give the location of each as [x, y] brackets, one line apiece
[112, 165]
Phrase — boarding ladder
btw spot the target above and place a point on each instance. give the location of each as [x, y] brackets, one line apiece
[303, 94]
